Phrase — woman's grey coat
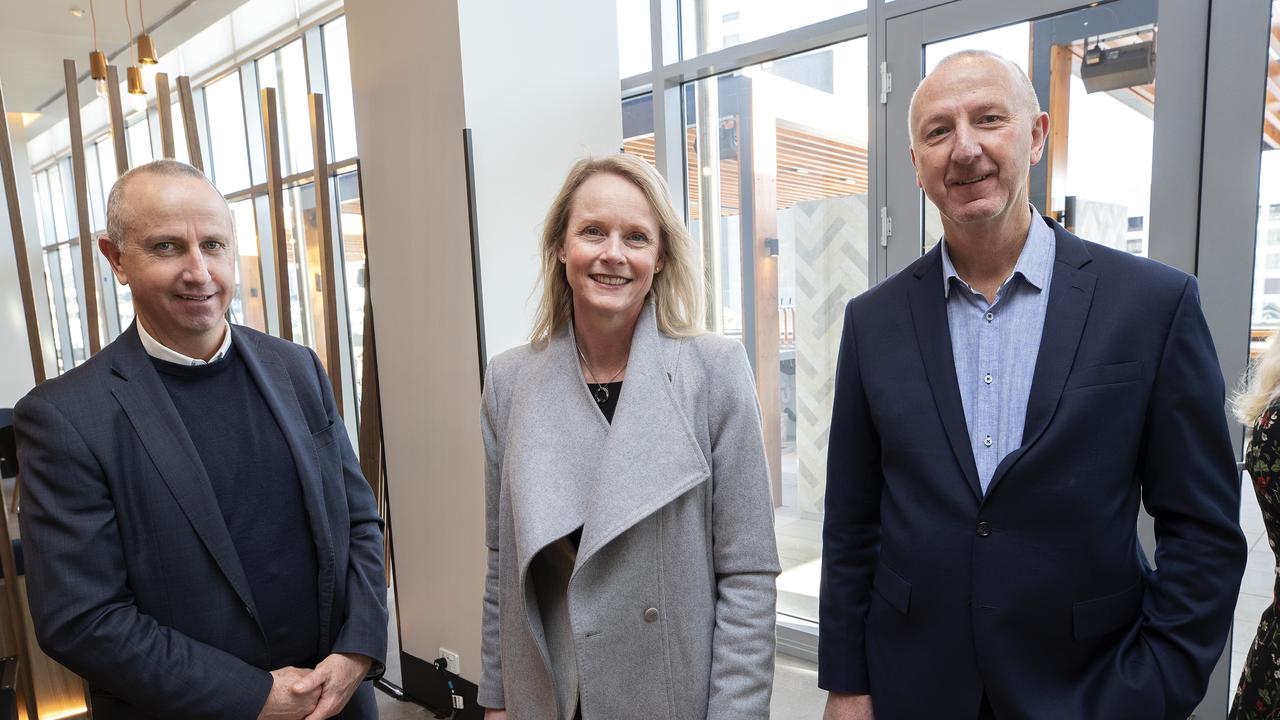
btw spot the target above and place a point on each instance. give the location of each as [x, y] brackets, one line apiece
[672, 598]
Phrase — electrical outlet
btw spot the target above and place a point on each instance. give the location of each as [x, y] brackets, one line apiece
[453, 659]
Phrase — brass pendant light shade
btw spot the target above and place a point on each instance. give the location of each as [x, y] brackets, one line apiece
[98, 65]
[135, 81]
[147, 50]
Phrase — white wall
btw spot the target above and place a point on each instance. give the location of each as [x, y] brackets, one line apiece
[538, 84]
[16, 376]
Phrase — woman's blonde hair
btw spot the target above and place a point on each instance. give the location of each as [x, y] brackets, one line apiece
[1261, 385]
[675, 290]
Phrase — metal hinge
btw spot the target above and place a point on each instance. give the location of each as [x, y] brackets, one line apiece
[886, 227]
[886, 83]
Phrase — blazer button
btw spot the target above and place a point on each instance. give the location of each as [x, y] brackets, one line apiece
[651, 615]
[984, 529]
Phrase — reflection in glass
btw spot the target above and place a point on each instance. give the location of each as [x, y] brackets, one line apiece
[306, 300]
[805, 132]
[337, 66]
[228, 144]
[710, 25]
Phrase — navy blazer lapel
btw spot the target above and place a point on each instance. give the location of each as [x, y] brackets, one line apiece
[933, 334]
[1070, 296]
[277, 389]
[164, 436]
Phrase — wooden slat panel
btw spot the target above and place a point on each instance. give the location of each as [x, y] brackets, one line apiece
[164, 107]
[116, 112]
[20, 246]
[89, 303]
[187, 102]
[324, 226]
[275, 196]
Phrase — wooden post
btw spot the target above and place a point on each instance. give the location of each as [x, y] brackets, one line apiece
[1059, 113]
[20, 245]
[116, 112]
[164, 107]
[89, 303]
[188, 104]
[275, 195]
[324, 227]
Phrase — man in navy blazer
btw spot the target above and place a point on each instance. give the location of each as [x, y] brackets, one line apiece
[200, 541]
[1002, 407]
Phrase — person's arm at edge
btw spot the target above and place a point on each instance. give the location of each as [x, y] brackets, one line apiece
[1191, 488]
[491, 694]
[850, 532]
[744, 551]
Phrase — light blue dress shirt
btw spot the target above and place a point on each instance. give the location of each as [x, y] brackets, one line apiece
[994, 346]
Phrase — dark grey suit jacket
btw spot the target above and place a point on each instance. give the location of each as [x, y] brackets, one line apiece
[132, 577]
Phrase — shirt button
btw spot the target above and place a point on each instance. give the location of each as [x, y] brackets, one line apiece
[987, 378]
[991, 316]
[651, 615]
[987, 441]
[984, 529]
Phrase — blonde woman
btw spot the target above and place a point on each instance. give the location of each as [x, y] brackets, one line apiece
[629, 522]
[1258, 406]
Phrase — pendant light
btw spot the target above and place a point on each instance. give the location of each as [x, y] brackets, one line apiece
[134, 73]
[97, 58]
[146, 47]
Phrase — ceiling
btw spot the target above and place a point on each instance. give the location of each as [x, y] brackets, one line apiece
[36, 35]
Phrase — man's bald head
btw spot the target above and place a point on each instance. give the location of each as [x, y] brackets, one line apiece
[118, 205]
[1021, 85]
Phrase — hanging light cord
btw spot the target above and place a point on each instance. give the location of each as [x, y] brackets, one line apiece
[141, 19]
[132, 45]
[93, 15]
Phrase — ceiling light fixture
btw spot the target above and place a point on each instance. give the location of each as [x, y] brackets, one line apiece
[97, 58]
[77, 12]
[134, 73]
[146, 47]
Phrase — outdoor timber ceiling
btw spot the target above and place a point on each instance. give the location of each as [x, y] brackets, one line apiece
[810, 166]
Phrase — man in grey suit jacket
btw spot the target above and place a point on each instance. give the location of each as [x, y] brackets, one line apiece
[200, 541]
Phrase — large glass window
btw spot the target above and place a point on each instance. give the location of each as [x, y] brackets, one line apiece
[778, 205]
[710, 25]
[342, 116]
[635, 53]
[354, 269]
[286, 71]
[139, 138]
[229, 146]
[248, 307]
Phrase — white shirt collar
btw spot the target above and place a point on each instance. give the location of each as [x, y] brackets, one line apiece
[160, 352]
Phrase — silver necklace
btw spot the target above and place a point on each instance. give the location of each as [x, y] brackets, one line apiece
[601, 392]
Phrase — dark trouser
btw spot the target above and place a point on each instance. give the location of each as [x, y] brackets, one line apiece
[984, 709]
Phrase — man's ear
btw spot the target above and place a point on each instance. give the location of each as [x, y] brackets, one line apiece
[112, 254]
[1039, 136]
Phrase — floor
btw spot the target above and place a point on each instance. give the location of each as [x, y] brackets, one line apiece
[795, 695]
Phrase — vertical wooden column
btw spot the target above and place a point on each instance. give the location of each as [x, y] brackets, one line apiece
[116, 113]
[20, 245]
[164, 107]
[324, 226]
[188, 104]
[89, 303]
[758, 165]
[1059, 114]
[275, 196]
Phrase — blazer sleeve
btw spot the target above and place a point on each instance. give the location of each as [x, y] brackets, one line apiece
[81, 604]
[1191, 488]
[364, 627]
[851, 527]
[491, 694]
[744, 552]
